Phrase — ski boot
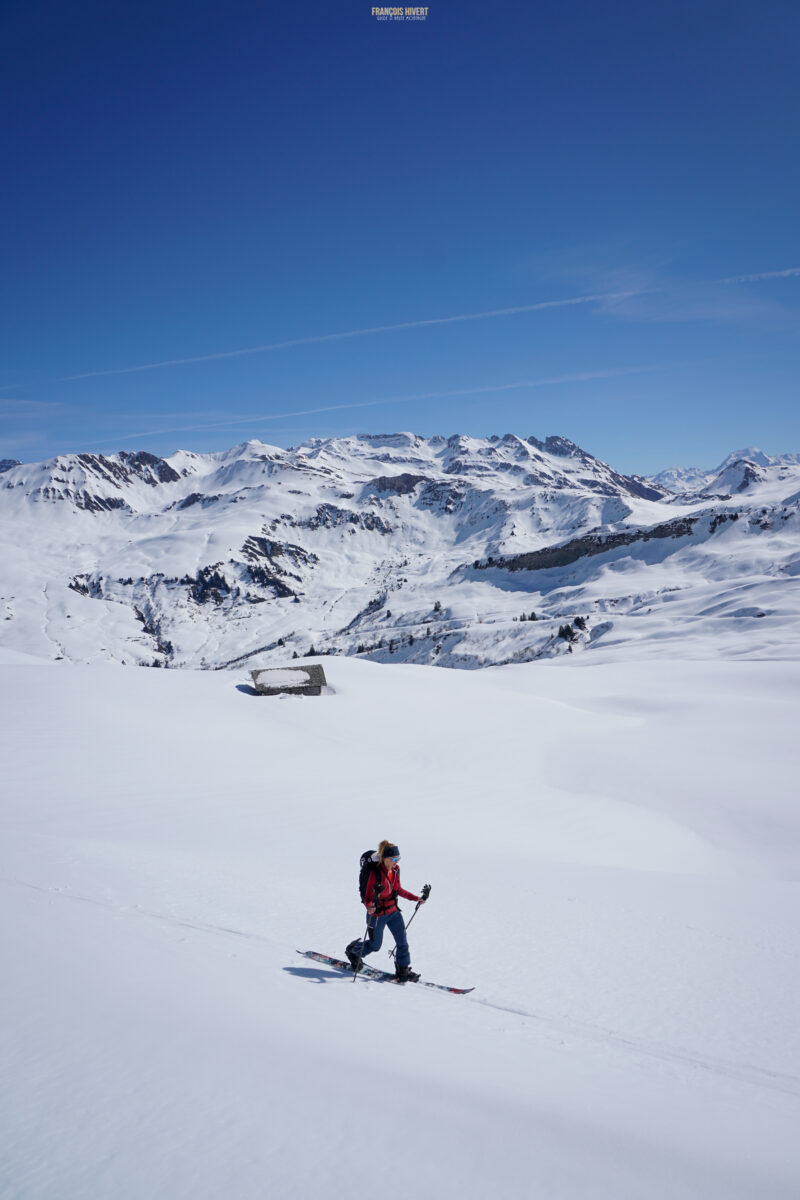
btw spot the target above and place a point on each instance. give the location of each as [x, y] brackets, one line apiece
[355, 962]
[405, 975]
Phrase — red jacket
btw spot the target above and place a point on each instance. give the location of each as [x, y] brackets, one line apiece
[389, 891]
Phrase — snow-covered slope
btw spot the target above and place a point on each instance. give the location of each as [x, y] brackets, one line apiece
[614, 857]
[395, 547]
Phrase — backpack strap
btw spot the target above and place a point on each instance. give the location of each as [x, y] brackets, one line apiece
[391, 899]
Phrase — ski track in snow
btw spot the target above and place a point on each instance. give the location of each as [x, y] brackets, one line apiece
[757, 1076]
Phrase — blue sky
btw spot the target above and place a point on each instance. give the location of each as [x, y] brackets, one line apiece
[547, 218]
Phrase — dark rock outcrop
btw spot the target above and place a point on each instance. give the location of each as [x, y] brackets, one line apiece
[587, 546]
[401, 485]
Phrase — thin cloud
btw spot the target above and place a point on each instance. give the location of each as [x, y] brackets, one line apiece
[681, 302]
[710, 300]
[12, 407]
[786, 274]
[12, 446]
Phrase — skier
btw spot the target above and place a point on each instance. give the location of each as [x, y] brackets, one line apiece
[380, 900]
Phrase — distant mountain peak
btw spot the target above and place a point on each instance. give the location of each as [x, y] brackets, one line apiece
[738, 471]
[562, 447]
[738, 476]
[749, 454]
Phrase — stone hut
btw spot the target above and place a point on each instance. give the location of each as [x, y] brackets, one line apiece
[291, 681]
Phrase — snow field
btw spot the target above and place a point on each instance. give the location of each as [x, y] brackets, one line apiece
[614, 856]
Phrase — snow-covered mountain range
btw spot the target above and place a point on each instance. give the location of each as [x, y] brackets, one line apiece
[458, 551]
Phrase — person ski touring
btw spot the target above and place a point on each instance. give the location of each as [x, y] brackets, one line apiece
[379, 897]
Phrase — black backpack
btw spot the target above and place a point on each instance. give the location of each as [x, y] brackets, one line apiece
[366, 865]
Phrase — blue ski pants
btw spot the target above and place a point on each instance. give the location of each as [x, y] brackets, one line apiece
[377, 924]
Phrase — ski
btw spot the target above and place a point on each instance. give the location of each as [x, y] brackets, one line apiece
[379, 976]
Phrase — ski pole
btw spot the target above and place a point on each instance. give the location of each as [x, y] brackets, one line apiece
[426, 891]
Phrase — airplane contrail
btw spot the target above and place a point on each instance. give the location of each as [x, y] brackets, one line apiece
[569, 302]
[577, 377]
[351, 333]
